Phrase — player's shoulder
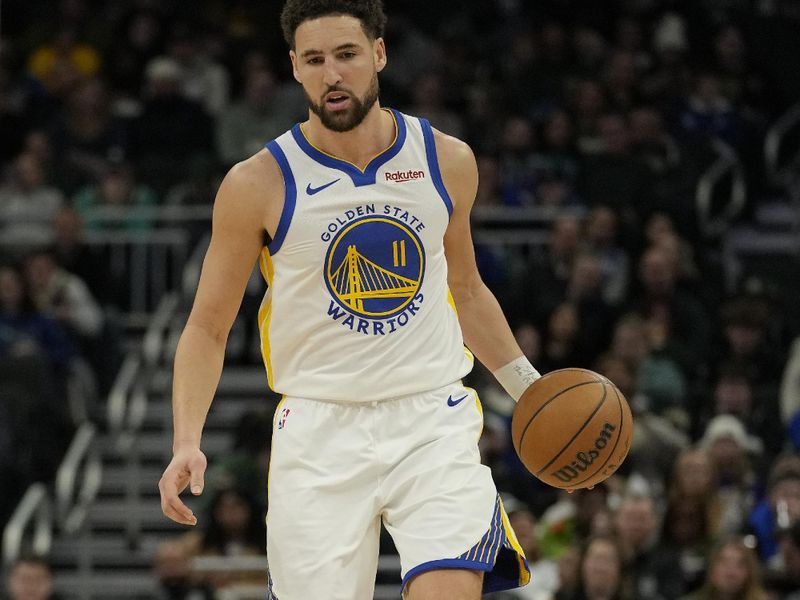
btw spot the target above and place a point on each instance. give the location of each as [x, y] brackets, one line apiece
[453, 154]
[457, 165]
[256, 177]
[261, 168]
[253, 188]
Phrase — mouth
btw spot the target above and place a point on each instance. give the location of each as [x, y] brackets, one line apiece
[337, 101]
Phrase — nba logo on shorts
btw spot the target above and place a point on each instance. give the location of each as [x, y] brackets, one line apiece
[282, 421]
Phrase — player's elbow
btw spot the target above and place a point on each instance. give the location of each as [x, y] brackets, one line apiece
[465, 290]
[210, 329]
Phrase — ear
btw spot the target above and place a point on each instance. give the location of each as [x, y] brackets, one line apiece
[379, 48]
[295, 72]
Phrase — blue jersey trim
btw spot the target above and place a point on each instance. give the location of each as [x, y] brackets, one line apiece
[289, 199]
[433, 164]
[360, 178]
[493, 554]
[447, 563]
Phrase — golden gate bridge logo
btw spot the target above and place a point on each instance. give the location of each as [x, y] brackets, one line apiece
[374, 267]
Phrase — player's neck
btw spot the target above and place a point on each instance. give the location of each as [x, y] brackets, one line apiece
[358, 146]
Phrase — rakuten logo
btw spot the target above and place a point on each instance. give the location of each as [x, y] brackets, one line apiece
[403, 176]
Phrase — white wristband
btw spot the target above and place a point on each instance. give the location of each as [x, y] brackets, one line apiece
[516, 376]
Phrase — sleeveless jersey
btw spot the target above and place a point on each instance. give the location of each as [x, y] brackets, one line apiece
[357, 307]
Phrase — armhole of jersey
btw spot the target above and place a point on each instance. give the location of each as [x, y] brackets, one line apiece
[433, 165]
[289, 197]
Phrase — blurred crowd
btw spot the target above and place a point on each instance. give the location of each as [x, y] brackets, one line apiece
[602, 116]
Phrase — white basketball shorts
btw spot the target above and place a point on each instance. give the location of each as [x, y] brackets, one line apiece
[338, 470]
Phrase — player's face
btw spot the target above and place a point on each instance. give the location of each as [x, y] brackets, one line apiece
[338, 66]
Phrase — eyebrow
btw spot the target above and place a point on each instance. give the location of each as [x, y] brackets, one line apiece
[348, 46]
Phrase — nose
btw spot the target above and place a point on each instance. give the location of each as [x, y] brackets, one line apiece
[331, 76]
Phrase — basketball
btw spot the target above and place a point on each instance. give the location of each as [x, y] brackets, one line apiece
[572, 428]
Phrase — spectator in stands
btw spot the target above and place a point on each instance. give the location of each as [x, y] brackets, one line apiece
[653, 143]
[733, 572]
[245, 126]
[569, 521]
[28, 204]
[544, 284]
[590, 50]
[707, 112]
[732, 451]
[118, 188]
[173, 570]
[621, 78]
[246, 466]
[687, 530]
[555, 161]
[659, 380]
[172, 131]
[30, 578]
[653, 566]
[544, 570]
[602, 239]
[63, 296]
[747, 347]
[235, 527]
[629, 36]
[203, 79]
[694, 479]
[587, 103]
[780, 509]
[613, 175]
[429, 101]
[562, 346]
[676, 321]
[86, 136]
[790, 392]
[569, 572]
[489, 182]
[517, 170]
[39, 144]
[782, 577]
[13, 115]
[138, 40]
[32, 328]
[602, 574]
[596, 316]
[74, 255]
[670, 78]
[63, 61]
[735, 394]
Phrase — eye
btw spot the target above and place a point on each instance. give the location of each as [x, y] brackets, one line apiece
[316, 60]
[348, 54]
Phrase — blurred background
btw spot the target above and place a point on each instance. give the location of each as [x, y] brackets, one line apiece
[637, 214]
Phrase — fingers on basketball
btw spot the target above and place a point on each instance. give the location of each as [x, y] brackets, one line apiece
[572, 428]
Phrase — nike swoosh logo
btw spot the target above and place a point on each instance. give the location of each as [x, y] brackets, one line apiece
[457, 401]
[315, 190]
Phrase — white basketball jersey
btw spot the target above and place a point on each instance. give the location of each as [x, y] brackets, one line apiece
[358, 308]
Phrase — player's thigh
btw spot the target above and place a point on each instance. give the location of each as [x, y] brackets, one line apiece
[323, 522]
[445, 584]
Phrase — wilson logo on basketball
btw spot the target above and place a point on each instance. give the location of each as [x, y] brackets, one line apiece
[403, 176]
[583, 460]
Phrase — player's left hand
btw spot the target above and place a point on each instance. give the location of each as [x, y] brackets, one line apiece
[186, 467]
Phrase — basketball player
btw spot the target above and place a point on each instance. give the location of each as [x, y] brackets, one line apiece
[359, 221]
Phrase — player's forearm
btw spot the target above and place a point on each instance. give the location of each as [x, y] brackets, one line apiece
[484, 327]
[198, 366]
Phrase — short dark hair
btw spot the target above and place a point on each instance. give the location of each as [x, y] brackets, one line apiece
[369, 12]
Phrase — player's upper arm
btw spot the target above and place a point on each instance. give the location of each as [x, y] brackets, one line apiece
[460, 176]
[247, 203]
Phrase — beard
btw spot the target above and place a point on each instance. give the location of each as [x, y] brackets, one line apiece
[345, 120]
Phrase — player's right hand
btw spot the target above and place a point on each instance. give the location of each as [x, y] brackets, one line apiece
[186, 467]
